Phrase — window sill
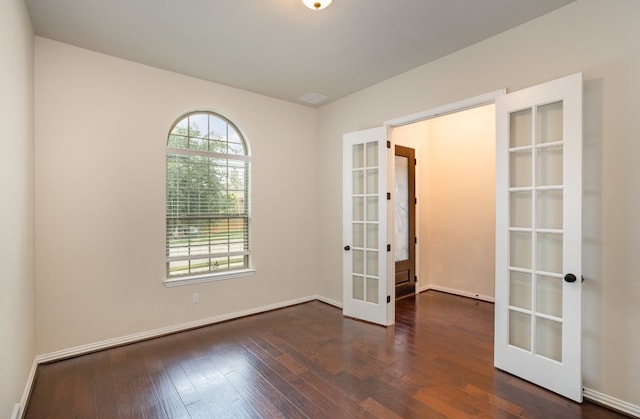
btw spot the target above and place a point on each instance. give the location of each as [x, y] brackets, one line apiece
[189, 280]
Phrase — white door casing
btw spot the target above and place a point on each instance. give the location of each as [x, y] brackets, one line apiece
[539, 235]
[366, 265]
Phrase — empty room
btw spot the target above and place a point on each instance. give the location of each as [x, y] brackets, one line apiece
[203, 215]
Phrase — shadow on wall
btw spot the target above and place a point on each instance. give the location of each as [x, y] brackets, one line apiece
[592, 231]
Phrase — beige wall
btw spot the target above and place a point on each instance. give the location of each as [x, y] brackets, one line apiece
[16, 203]
[101, 128]
[456, 195]
[591, 36]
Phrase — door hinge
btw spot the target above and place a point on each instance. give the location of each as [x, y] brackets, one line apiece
[388, 144]
[415, 162]
[388, 196]
[388, 299]
[388, 248]
[415, 240]
[415, 279]
[415, 201]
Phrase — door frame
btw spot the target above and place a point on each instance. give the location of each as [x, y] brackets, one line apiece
[446, 109]
[453, 107]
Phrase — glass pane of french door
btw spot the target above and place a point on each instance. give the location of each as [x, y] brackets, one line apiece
[536, 186]
[402, 207]
[365, 222]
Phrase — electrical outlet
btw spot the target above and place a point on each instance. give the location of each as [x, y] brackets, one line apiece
[196, 298]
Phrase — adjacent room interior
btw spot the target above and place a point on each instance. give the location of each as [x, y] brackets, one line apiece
[455, 179]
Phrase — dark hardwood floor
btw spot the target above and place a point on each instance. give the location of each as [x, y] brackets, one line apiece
[306, 361]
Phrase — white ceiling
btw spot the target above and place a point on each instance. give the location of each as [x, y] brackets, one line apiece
[280, 48]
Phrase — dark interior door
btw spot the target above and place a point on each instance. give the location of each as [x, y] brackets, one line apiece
[405, 221]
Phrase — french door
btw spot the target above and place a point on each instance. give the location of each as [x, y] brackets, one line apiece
[366, 292]
[539, 235]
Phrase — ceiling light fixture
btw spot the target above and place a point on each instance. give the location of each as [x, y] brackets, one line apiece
[317, 4]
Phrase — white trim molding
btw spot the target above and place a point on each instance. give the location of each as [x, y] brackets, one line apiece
[472, 102]
[198, 279]
[611, 402]
[27, 389]
[461, 293]
[593, 395]
[330, 301]
[136, 337]
[15, 414]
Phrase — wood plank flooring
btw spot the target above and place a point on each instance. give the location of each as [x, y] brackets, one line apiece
[306, 361]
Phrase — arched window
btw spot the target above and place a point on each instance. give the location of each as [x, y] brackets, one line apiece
[208, 173]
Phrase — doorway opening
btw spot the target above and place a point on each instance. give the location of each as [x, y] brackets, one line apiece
[455, 201]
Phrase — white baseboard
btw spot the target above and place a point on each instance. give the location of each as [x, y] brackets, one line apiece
[16, 412]
[590, 394]
[593, 395]
[329, 301]
[136, 337]
[611, 402]
[27, 390]
[458, 292]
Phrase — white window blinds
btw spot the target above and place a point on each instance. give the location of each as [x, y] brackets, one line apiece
[208, 194]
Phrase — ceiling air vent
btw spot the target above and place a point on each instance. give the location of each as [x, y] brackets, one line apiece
[313, 98]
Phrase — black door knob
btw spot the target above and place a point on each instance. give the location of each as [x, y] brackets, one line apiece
[570, 278]
[347, 248]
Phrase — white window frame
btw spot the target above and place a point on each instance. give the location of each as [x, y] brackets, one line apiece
[194, 278]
